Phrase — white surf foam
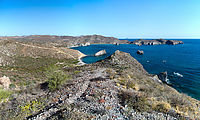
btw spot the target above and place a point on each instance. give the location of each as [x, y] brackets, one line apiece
[178, 74]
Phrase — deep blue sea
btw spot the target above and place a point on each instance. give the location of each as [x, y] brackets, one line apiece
[182, 59]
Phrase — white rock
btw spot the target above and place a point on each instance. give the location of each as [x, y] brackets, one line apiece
[87, 44]
[5, 82]
[102, 52]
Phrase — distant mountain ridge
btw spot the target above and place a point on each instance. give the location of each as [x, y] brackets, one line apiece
[66, 41]
[75, 41]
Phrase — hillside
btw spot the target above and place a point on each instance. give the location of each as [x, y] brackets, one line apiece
[65, 41]
[9, 50]
[115, 88]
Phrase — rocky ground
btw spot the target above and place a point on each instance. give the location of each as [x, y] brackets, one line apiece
[96, 96]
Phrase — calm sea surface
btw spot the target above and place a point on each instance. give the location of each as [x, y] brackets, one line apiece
[182, 62]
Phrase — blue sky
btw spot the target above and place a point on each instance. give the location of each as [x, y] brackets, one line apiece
[118, 18]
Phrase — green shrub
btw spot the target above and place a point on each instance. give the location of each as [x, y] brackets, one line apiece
[31, 107]
[76, 72]
[4, 94]
[12, 86]
[55, 77]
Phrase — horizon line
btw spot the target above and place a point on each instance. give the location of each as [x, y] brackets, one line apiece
[120, 38]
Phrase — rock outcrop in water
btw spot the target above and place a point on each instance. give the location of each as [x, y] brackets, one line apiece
[101, 52]
[163, 77]
[156, 42]
[140, 52]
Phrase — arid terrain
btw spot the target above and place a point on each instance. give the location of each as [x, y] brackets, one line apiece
[40, 79]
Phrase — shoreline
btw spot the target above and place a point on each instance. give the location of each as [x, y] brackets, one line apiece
[162, 61]
[80, 63]
[79, 58]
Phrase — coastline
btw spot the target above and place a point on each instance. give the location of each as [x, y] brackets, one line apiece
[175, 80]
[80, 63]
[124, 78]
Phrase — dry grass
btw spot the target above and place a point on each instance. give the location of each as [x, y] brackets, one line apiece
[149, 95]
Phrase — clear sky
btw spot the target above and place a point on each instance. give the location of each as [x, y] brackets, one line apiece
[118, 18]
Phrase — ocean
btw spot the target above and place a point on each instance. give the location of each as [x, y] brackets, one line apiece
[182, 62]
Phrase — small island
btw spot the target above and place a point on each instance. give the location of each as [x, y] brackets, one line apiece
[156, 42]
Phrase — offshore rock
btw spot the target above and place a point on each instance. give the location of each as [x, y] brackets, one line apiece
[102, 52]
[163, 76]
[140, 52]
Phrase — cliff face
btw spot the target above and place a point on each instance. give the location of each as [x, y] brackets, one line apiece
[156, 42]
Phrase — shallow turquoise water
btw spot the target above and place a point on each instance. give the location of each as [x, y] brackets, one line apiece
[183, 59]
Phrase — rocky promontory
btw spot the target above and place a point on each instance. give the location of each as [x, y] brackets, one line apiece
[156, 42]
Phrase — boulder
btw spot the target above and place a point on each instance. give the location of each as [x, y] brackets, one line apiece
[140, 52]
[102, 52]
[116, 43]
[5, 82]
[163, 76]
[87, 44]
[155, 78]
